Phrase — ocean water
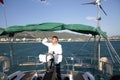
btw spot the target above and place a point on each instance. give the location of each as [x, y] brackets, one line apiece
[21, 51]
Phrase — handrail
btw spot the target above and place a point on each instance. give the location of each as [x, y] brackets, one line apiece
[66, 62]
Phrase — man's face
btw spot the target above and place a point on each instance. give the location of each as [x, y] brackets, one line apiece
[54, 40]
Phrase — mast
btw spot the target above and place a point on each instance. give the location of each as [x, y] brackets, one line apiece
[98, 17]
[98, 3]
[98, 26]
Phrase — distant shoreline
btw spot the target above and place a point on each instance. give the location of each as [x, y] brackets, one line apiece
[40, 42]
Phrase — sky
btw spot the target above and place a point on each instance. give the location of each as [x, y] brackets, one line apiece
[24, 12]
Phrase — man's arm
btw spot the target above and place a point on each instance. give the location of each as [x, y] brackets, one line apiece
[45, 41]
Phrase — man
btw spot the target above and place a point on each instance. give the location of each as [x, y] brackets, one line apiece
[55, 49]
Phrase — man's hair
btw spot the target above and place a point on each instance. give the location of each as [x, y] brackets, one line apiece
[55, 37]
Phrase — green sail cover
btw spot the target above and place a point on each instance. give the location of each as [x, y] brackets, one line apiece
[1, 31]
[85, 29]
[82, 28]
[43, 27]
[13, 29]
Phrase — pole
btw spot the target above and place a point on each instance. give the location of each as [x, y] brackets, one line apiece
[98, 26]
[98, 17]
[5, 16]
[11, 50]
[10, 42]
[99, 53]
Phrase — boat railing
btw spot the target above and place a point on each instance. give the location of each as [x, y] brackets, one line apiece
[67, 61]
[79, 62]
[84, 63]
[29, 62]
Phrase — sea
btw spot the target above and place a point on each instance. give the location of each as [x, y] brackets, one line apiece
[18, 52]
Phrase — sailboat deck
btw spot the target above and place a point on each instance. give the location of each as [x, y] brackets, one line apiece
[75, 75]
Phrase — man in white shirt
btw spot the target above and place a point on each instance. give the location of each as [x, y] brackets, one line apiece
[56, 49]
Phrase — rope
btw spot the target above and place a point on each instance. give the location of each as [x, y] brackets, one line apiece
[110, 53]
[113, 50]
[85, 43]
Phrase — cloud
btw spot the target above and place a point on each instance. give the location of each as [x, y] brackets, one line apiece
[105, 0]
[45, 2]
[91, 18]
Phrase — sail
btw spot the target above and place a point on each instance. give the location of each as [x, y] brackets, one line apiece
[50, 26]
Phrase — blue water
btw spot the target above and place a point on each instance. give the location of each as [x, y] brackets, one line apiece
[21, 50]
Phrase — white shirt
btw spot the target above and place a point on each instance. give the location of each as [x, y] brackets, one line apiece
[56, 48]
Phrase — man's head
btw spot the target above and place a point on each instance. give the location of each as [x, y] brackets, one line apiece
[54, 39]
